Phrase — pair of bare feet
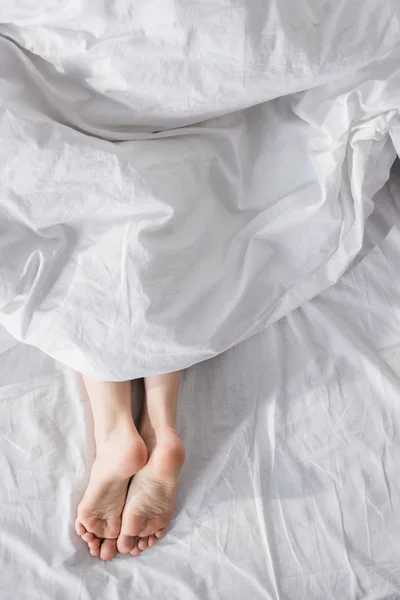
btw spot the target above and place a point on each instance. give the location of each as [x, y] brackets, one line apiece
[131, 492]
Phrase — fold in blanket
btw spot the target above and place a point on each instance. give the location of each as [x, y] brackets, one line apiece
[149, 251]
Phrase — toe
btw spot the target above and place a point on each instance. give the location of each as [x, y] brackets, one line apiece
[160, 534]
[95, 553]
[126, 543]
[143, 543]
[94, 547]
[135, 550]
[79, 528]
[95, 544]
[152, 541]
[108, 549]
[88, 537]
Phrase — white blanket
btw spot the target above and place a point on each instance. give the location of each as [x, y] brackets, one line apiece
[130, 245]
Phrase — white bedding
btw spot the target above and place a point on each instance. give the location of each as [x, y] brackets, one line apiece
[159, 250]
[290, 490]
[176, 178]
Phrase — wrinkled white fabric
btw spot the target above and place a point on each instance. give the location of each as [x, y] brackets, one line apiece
[130, 245]
[290, 490]
[114, 67]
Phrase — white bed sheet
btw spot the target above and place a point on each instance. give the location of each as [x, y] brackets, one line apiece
[290, 490]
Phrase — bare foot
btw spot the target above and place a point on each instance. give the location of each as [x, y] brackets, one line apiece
[151, 496]
[118, 457]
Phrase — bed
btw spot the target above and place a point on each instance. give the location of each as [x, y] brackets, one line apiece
[290, 415]
[290, 489]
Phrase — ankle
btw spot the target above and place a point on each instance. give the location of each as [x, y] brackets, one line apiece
[165, 433]
[170, 452]
[124, 445]
[168, 437]
[119, 428]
